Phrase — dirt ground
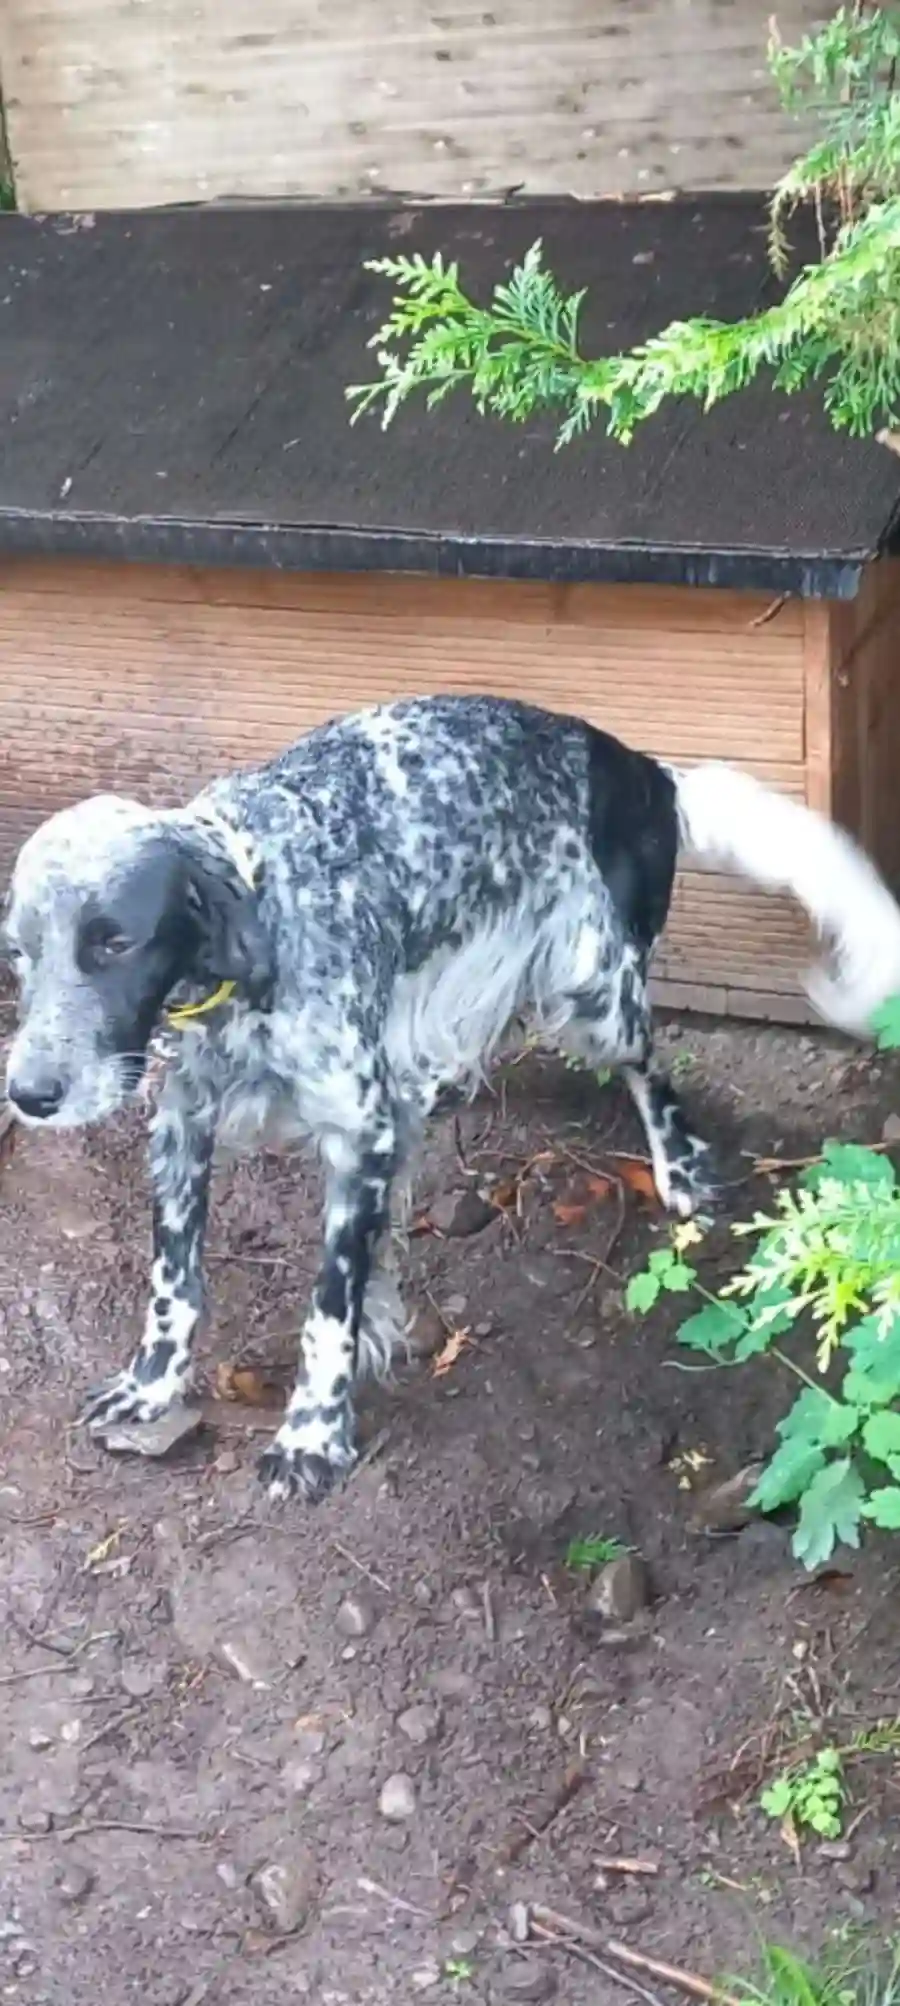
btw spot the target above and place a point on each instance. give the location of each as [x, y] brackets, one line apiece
[204, 1697]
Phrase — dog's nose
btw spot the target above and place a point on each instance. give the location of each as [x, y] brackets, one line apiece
[37, 1100]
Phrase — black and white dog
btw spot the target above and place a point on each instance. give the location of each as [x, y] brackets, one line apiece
[341, 932]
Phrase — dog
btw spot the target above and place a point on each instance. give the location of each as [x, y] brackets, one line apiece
[332, 938]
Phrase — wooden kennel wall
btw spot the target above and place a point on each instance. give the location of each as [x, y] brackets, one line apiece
[199, 558]
[135, 678]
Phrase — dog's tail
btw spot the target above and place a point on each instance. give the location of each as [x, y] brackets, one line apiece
[732, 822]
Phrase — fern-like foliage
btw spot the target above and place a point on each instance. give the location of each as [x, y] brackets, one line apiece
[838, 323]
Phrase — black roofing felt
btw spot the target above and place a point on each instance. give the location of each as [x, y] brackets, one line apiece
[172, 388]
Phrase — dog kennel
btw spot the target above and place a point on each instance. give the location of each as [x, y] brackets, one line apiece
[199, 558]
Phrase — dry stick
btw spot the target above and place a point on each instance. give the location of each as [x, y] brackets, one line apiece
[577, 1950]
[369, 1887]
[687, 1981]
[346, 1554]
[616, 1865]
[107, 1825]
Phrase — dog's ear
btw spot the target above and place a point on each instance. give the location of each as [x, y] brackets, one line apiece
[231, 940]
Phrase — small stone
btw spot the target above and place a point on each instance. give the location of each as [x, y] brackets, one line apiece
[355, 1617]
[531, 1982]
[455, 1306]
[287, 1889]
[244, 1657]
[629, 1778]
[466, 1603]
[227, 1874]
[152, 1438]
[419, 1724]
[25, 1963]
[425, 1977]
[519, 1922]
[453, 1684]
[81, 1688]
[34, 1820]
[464, 1942]
[835, 1849]
[74, 1882]
[227, 1463]
[859, 1879]
[890, 1128]
[397, 1799]
[309, 1740]
[39, 1739]
[621, 1589]
[428, 1334]
[726, 1507]
[138, 1679]
[484, 1328]
[541, 1718]
[301, 1776]
[423, 1594]
[459, 1214]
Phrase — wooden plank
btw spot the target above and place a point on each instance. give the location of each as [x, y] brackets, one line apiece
[153, 695]
[111, 104]
[755, 616]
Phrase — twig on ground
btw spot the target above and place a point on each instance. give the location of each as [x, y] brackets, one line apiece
[347, 1553]
[589, 1957]
[769, 1166]
[686, 1981]
[90, 1825]
[370, 1887]
[621, 1865]
[575, 1777]
[548, 1921]
[50, 1671]
[490, 1626]
[109, 1727]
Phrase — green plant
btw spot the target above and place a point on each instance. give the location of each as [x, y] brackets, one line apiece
[829, 1253]
[838, 323]
[843, 1976]
[585, 1556]
[459, 1970]
[809, 1794]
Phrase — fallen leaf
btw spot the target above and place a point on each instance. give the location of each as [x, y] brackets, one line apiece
[572, 1209]
[506, 1195]
[457, 1342]
[789, 1834]
[241, 1383]
[637, 1177]
[104, 1548]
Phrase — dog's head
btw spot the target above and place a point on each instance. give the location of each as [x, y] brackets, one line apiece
[111, 908]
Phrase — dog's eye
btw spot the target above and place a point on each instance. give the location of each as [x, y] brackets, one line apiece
[113, 946]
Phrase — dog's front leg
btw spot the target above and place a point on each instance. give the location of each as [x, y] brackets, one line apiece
[316, 1439]
[182, 1135]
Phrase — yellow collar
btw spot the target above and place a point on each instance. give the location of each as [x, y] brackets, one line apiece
[182, 1017]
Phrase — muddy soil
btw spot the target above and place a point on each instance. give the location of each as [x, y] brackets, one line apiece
[262, 1754]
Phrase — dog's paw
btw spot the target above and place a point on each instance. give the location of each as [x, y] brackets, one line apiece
[306, 1459]
[121, 1399]
[691, 1183]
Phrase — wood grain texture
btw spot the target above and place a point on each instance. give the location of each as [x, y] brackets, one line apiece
[149, 682]
[115, 104]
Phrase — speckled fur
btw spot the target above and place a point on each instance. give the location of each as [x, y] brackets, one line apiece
[422, 873]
